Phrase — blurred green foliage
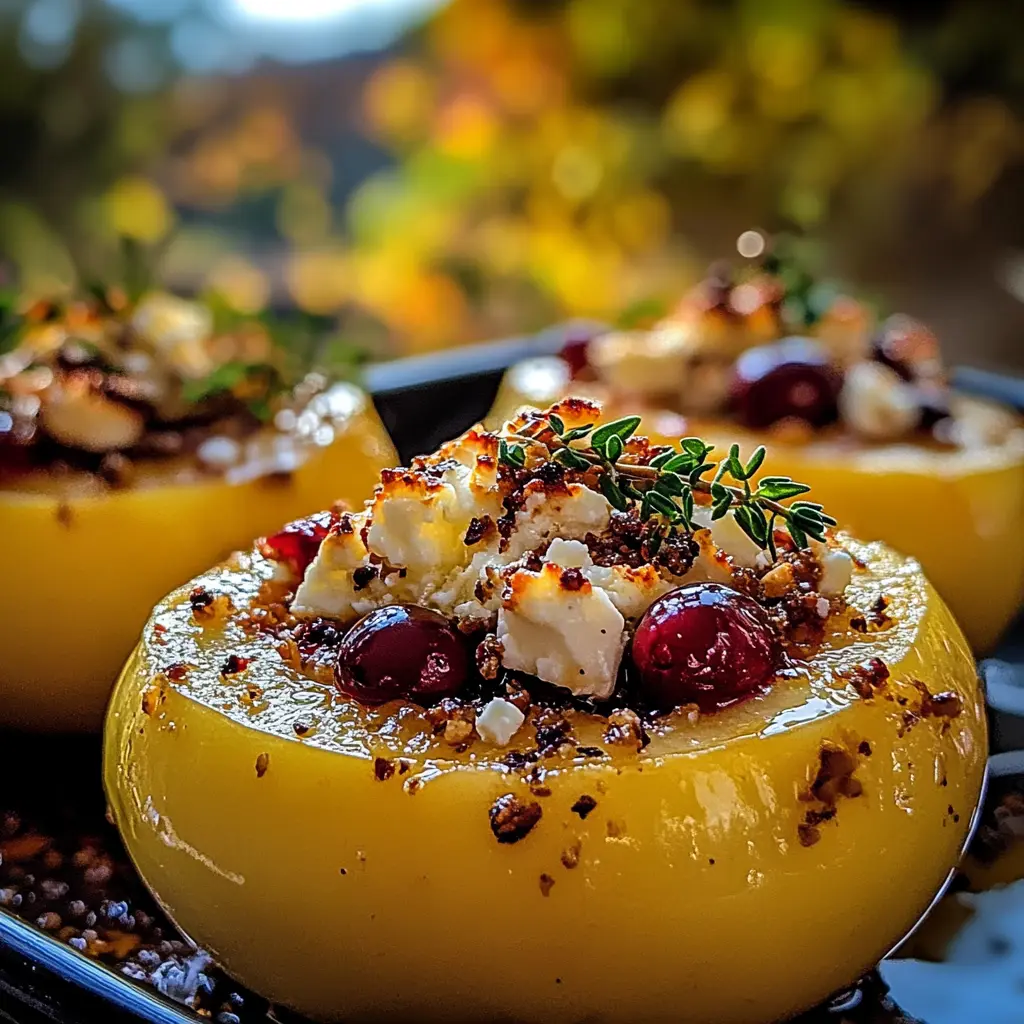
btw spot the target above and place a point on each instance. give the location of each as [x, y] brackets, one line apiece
[544, 156]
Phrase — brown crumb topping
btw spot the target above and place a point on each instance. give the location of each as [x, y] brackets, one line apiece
[869, 678]
[262, 764]
[626, 729]
[834, 778]
[479, 529]
[546, 882]
[383, 769]
[488, 657]
[512, 819]
[571, 855]
[584, 805]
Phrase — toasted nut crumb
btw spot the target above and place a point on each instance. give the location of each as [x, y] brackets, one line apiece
[457, 731]
[571, 855]
[546, 882]
[262, 764]
[511, 819]
[808, 834]
[625, 729]
[383, 769]
[488, 656]
[779, 581]
[152, 698]
[584, 805]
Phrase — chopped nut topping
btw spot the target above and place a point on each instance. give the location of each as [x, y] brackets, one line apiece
[584, 805]
[869, 678]
[546, 882]
[511, 819]
[625, 729]
[383, 769]
[488, 657]
[262, 764]
[571, 855]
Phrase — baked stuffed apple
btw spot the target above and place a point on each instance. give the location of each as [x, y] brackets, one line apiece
[137, 446]
[564, 725]
[859, 409]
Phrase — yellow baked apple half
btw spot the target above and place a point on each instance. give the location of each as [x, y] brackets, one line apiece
[137, 446]
[562, 726]
[861, 409]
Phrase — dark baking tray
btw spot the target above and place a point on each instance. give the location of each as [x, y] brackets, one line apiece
[53, 784]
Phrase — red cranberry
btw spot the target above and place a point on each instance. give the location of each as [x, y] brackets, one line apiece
[704, 643]
[297, 543]
[574, 351]
[790, 378]
[908, 347]
[401, 651]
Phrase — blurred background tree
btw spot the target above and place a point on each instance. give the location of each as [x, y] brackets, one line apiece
[434, 173]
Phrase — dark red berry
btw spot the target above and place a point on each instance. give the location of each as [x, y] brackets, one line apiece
[908, 347]
[574, 351]
[705, 644]
[401, 650]
[297, 543]
[790, 378]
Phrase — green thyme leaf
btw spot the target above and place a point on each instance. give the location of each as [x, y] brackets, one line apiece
[754, 462]
[734, 464]
[696, 448]
[513, 455]
[570, 459]
[577, 432]
[610, 489]
[687, 509]
[663, 504]
[670, 483]
[798, 535]
[613, 448]
[778, 488]
[622, 429]
[659, 461]
[556, 424]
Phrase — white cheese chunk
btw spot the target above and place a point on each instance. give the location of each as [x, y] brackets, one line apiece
[569, 637]
[499, 721]
[877, 403]
[836, 572]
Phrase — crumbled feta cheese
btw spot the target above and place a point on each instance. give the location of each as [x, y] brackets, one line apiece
[177, 329]
[499, 721]
[82, 418]
[570, 637]
[641, 362]
[219, 452]
[836, 571]
[730, 538]
[564, 622]
[877, 403]
[822, 607]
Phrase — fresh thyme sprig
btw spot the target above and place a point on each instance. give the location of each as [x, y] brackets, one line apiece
[665, 487]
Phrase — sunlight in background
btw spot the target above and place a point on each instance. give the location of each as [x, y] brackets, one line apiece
[317, 10]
